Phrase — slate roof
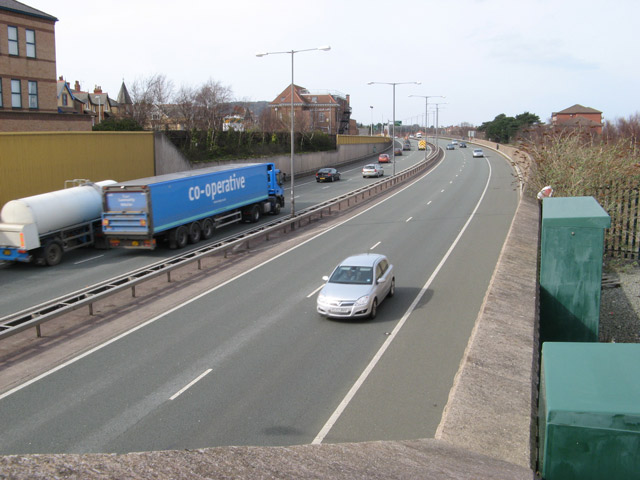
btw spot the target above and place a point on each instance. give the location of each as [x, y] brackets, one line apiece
[577, 108]
[123, 96]
[17, 7]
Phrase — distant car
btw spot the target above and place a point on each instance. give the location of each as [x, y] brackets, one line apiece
[327, 175]
[397, 151]
[462, 145]
[478, 153]
[372, 170]
[407, 146]
[451, 146]
[384, 158]
[455, 142]
[357, 286]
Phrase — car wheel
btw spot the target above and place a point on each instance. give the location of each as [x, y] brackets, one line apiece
[374, 309]
[392, 290]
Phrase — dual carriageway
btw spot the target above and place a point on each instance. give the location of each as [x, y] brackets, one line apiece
[241, 357]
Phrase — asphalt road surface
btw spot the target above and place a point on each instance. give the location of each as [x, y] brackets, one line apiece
[250, 362]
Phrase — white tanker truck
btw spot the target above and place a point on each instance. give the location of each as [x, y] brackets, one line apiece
[42, 227]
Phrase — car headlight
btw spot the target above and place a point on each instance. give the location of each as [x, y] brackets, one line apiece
[322, 298]
[362, 301]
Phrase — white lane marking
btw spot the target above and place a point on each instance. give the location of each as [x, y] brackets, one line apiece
[375, 245]
[205, 293]
[428, 203]
[408, 220]
[190, 384]
[442, 191]
[374, 361]
[88, 259]
[315, 291]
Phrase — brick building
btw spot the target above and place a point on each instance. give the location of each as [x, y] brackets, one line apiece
[328, 112]
[578, 116]
[28, 85]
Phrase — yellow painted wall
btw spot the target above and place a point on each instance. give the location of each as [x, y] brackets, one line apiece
[359, 139]
[34, 163]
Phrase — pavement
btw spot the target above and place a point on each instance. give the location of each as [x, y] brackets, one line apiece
[487, 429]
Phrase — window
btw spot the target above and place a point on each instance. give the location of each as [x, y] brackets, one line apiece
[16, 94]
[33, 94]
[13, 40]
[65, 99]
[31, 43]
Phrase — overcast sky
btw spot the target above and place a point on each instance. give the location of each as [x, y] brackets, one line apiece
[486, 56]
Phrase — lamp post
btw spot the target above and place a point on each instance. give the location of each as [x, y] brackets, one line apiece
[292, 52]
[426, 109]
[393, 128]
[437, 111]
[371, 107]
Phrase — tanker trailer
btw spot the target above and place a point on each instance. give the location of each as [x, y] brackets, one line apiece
[42, 227]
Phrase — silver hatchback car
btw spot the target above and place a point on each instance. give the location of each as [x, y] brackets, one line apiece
[372, 170]
[357, 286]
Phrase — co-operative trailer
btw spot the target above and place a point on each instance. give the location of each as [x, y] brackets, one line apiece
[42, 227]
[185, 207]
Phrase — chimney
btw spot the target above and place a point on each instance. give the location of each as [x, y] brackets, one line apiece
[348, 97]
[97, 89]
[77, 86]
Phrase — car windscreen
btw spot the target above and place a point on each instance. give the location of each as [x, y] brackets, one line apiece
[352, 275]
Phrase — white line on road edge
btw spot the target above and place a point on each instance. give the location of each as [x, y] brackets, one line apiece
[190, 384]
[375, 245]
[374, 361]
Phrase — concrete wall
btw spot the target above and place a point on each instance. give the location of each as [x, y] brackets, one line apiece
[169, 159]
[33, 163]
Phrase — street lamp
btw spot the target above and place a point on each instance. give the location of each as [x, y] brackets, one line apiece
[292, 52]
[371, 107]
[393, 134]
[437, 111]
[426, 109]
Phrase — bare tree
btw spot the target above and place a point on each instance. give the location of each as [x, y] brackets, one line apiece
[185, 107]
[210, 100]
[150, 96]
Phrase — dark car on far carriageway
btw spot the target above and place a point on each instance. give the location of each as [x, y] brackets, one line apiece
[327, 175]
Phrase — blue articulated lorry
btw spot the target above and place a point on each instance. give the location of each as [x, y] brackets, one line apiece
[186, 207]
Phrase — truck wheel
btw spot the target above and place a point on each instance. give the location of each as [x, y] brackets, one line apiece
[52, 253]
[276, 208]
[207, 228]
[255, 214]
[179, 237]
[195, 232]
